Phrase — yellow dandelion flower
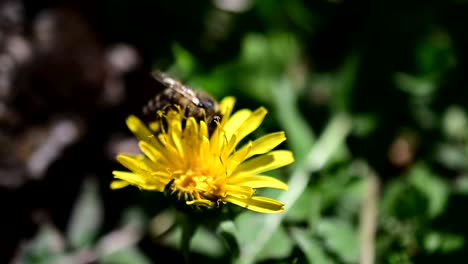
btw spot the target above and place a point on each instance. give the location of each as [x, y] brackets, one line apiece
[207, 170]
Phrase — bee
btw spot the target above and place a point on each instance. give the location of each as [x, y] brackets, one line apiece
[177, 96]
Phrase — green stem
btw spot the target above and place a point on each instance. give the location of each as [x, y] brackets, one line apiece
[188, 231]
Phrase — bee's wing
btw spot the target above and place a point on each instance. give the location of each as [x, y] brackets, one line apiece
[163, 78]
[176, 85]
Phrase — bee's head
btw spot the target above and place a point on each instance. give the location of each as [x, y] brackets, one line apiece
[207, 102]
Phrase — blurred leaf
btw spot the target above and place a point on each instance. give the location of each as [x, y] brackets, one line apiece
[461, 185]
[184, 63]
[301, 15]
[364, 124]
[443, 242]
[228, 231]
[217, 83]
[308, 205]
[133, 216]
[128, 235]
[254, 49]
[265, 59]
[61, 258]
[279, 246]
[203, 242]
[131, 255]
[343, 84]
[435, 53]
[340, 237]
[331, 186]
[391, 195]
[332, 138]
[310, 246]
[270, 54]
[162, 222]
[432, 242]
[284, 49]
[47, 243]
[415, 86]
[350, 201]
[399, 258]
[433, 187]
[299, 133]
[452, 156]
[452, 243]
[455, 123]
[86, 216]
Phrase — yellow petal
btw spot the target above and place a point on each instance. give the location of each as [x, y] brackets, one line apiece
[257, 203]
[259, 146]
[174, 121]
[266, 162]
[138, 180]
[154, 126]
[201, 202]
[168, 150]
[238, 157]
[266, 143]
[226, 105]
[258, 181]
[132, 163]
[118, 184]
[191, 141]
[138, 128]
[151, 152]
[251, 123]
[177, 143]
[235, 121]
[229, 147]
[191, 129]
[239, 191]
[203, 129]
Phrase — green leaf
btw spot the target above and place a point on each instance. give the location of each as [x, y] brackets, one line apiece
[433, 187]
[333, 137]
[254, 48]
[451, 155]
[204, 242]
[452, 243]
[86, 216]
[46, 244]
[340, 237]
[312, 249]
[306, 207]
[455, 123]
[184, 61]
[126, 236]
[228, 231]
[300, 135]
[364, 124]
[131, 255]
[435, 53]
[461, 185]
[279, 246]
[443, 242]
[344, 80]
[415, 86]
[392, 193]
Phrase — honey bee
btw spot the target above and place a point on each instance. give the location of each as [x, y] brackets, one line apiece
[177, 96]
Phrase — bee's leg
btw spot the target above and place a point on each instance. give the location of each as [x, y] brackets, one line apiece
[213, 123]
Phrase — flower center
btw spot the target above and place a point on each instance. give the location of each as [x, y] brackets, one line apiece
[197, 184]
